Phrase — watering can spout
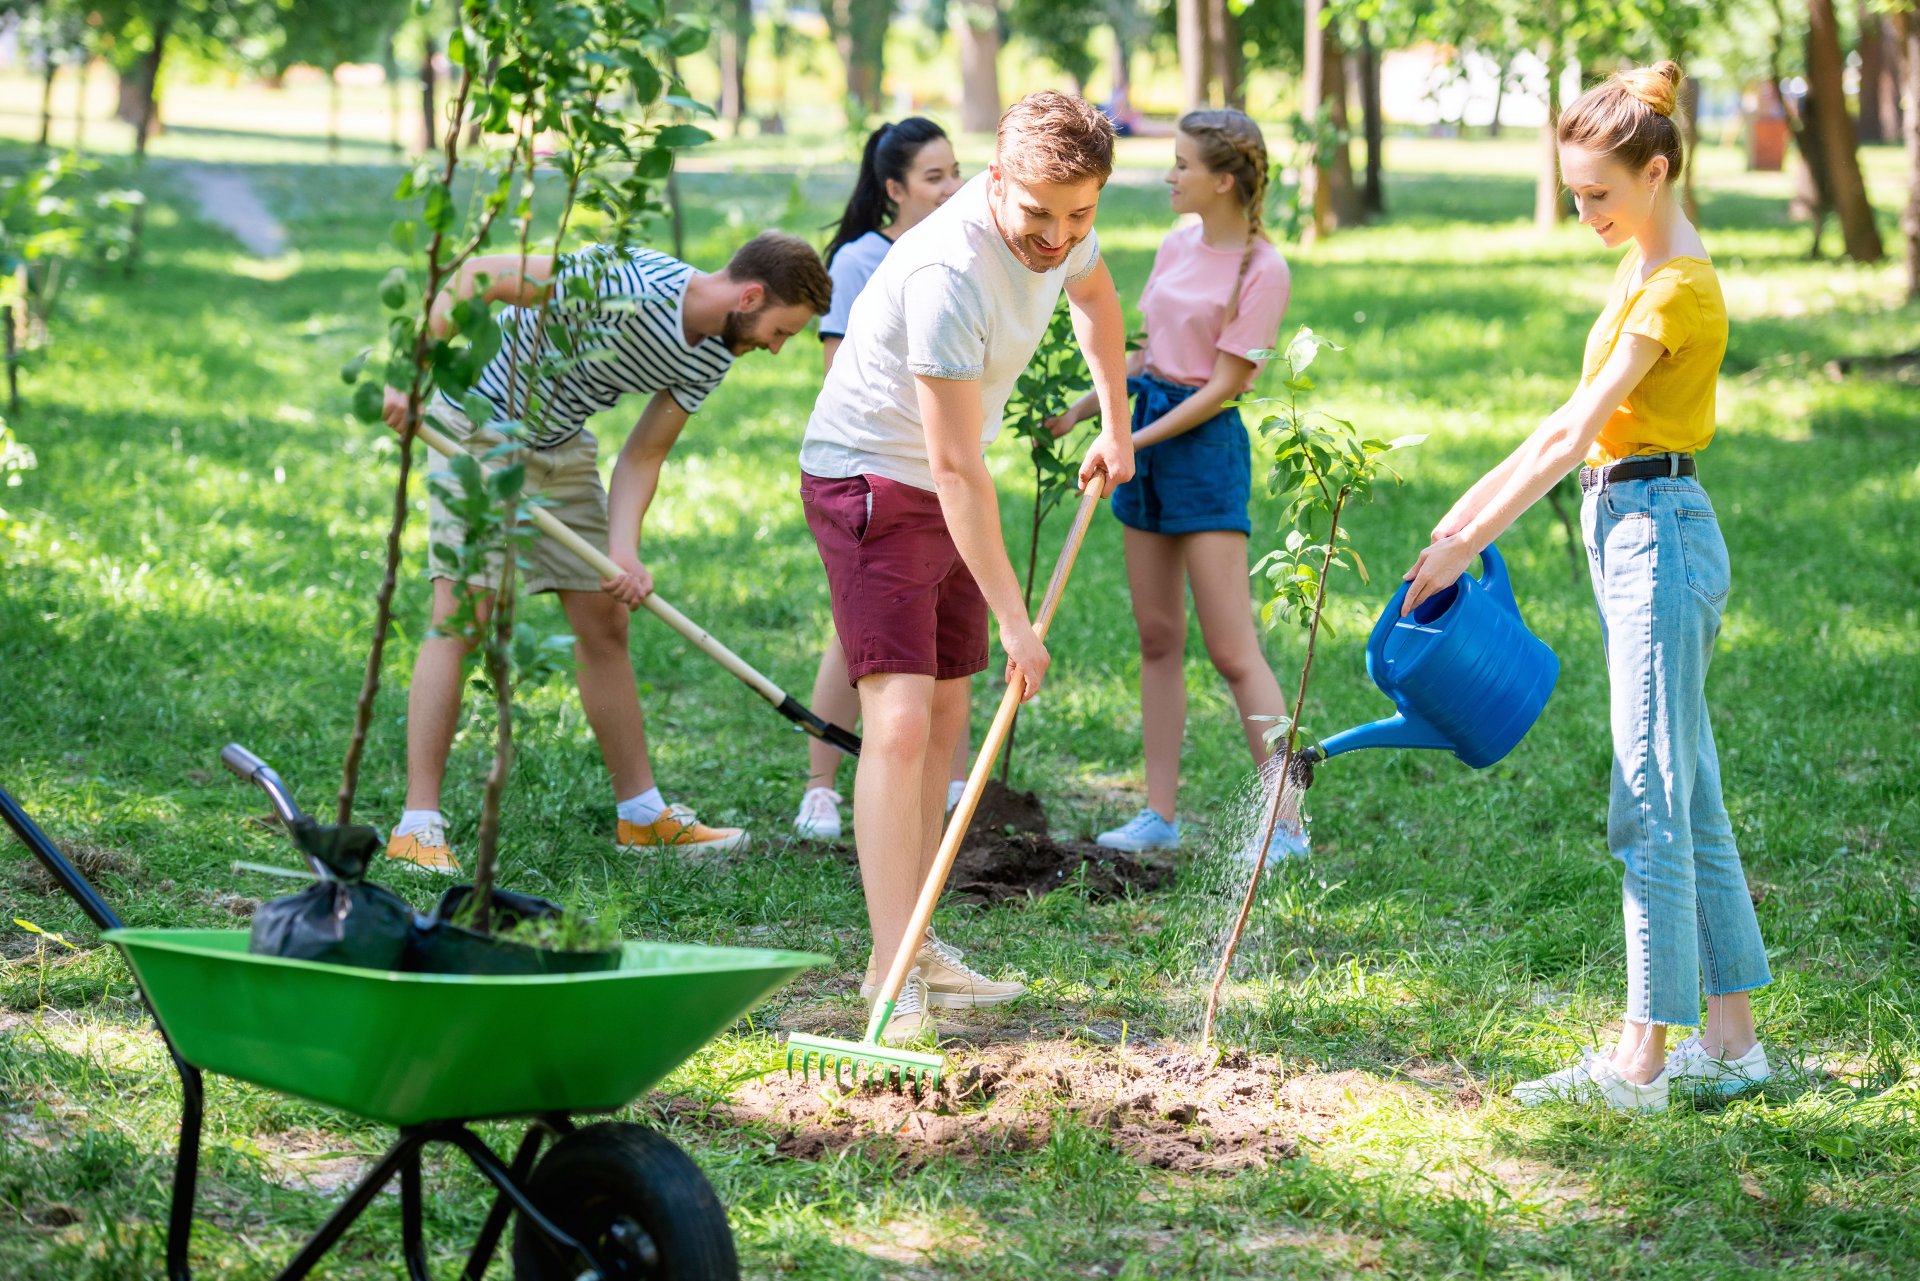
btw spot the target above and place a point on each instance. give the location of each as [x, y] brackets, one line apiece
[1394, 731]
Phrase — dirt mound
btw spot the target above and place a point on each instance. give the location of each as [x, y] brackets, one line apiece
[1009, 853]
[95, 862]
[1167, 1108]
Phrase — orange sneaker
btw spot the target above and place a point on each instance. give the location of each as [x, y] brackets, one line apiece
[678, 826]
[424, 851]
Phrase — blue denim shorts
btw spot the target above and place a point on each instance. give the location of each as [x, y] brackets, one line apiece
[1200, 480]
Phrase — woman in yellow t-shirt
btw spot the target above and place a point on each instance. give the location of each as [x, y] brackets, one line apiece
[1643, 409]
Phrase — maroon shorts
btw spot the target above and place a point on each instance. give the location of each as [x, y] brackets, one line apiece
[903, 600]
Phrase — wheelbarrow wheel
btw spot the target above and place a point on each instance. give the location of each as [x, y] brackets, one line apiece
[634, 1199]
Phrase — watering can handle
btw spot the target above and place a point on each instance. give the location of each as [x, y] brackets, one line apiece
[1493, 577]
[1382, 628]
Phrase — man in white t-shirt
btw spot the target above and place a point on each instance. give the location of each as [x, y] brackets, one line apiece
[899, 500]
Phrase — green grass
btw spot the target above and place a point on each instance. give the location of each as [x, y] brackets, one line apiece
[194, 561]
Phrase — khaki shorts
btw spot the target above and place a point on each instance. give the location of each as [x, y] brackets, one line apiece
[567, 477]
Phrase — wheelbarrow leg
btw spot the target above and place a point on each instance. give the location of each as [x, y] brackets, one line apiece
[186, 1172]
[411, 1243]
[501, 1177]
[405, 1151]
[489, 1239]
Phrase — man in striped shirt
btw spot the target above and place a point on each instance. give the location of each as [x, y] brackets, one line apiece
[651, 324]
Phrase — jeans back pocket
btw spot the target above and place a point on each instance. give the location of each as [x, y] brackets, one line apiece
[1704, 550]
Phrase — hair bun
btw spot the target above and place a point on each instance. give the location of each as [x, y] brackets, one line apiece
[1656, 87]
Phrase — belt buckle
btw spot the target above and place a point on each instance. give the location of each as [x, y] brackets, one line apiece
[1592, 479]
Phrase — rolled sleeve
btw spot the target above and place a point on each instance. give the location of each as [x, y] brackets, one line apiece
[1084, 258]
[946, 324]
[1666, 311]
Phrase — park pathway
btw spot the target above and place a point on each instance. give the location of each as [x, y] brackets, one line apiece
[227, 197]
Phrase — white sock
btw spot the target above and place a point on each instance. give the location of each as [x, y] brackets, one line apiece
[644, 808]
[412, 821]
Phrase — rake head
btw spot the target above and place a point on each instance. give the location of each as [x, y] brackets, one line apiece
[854, 1063]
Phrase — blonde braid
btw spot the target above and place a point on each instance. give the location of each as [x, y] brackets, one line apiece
[1231, 143]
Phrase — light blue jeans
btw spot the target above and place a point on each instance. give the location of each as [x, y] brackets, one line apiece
[1661, 578]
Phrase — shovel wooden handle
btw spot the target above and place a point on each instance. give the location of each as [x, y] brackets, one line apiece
[601, 564]
[990, 746]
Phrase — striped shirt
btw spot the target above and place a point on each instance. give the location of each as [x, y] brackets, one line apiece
[627, 330]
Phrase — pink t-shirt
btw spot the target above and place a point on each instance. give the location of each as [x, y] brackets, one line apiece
[1185, 302]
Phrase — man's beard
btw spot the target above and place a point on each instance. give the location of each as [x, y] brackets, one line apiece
[1017, 246]
[737, 329]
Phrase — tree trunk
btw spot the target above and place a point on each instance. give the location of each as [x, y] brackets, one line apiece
[1373, 196]
[1909, 28]
[80, 104]
[976, 29]
[736, 34]
[1840, 151]
[1499, 98]
[1223, 46]
[1874, 124]
[1343, 198]
[392, 67]
[1122, 65]
[1547, 208]
[333, 114]
[429, 90]
[1314, 195]
[150, 88]
[859, 34]
[1193, 33]
[46, 102]
[1690, 143]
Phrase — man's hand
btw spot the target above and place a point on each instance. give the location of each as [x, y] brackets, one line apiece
[1110, 454]
[393, 408]
[1027, 658]
[1438, 566]
[635, 582]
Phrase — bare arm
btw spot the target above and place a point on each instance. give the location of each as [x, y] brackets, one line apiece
[950, 408]
[1101, 328]
[1554, 449]
[505, 283]
[1230, 374]
[1088, 406]
[636, 476]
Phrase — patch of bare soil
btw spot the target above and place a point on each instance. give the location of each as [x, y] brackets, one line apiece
[1167, 1108]
[1009, 853]
[95, 862]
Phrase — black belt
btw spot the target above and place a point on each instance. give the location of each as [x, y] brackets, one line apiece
[1642, 468]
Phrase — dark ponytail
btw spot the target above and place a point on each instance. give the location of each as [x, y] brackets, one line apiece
[888, 156]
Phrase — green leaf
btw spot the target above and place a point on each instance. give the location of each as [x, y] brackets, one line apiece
[1406, 442]
[394, 289]
[438, 215]
[478, 409]
[367, 400]
[350, 372]
[682, 136]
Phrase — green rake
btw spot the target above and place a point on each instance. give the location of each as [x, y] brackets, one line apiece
[867, 1060]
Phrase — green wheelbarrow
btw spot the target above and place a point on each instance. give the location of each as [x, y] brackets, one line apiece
[433, 1053]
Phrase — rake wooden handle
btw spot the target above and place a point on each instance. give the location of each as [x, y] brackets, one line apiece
[983, 763]
[601, 564]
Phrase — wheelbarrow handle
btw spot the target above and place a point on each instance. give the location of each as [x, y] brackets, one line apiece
[78, 887]
[256, 771]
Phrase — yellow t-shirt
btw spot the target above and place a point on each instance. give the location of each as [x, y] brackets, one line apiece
[1681, 308]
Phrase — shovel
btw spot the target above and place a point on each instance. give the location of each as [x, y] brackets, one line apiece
[783, 702]
[868, 1058]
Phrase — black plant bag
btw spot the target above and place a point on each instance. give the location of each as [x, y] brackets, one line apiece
[342, 920]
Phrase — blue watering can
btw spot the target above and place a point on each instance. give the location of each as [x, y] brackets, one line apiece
[1463, 671]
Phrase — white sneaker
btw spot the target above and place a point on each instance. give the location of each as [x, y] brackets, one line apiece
[819, 816]
[1143, 832]
[1594, 1080]
[1692, 1069]
[1288, 842]
[951, 983]
[956, 788]
[911, 1017]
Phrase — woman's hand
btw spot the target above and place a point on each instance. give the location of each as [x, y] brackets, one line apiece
[1437, 567]
[1060, 424]
[635, 582]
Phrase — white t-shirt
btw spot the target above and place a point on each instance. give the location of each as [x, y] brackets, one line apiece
[949, 301]
[850, 271]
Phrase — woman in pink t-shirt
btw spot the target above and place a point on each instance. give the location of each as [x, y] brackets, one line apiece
[1217, 292]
